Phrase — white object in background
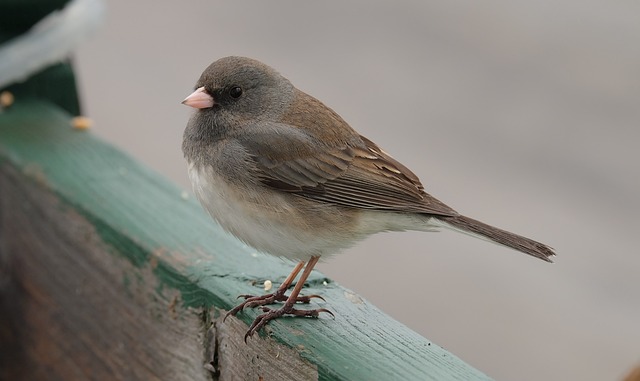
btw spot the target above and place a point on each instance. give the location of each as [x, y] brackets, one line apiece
[50, 40]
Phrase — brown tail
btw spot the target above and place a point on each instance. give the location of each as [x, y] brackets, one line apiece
[499, 236]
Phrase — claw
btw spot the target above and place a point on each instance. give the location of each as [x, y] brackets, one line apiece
[279, 296]
[270, 314]
[232, 313]
[247, 335]
[316, 296]
[259, 322]
[252, 301]
[327, 311]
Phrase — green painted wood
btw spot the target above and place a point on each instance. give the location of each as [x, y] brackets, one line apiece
[144, 219]
[56, 84]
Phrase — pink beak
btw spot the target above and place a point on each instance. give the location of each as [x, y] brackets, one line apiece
[199, 99]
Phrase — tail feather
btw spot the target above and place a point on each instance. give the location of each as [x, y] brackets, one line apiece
[502, 237]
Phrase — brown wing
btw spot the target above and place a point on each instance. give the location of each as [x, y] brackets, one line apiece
[342, 168]
[356, 174]
[375, 180]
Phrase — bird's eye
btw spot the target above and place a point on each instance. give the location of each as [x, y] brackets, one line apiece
[235, 92]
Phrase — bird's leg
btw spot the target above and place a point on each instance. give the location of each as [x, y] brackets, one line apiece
[287, 308]
[277, 296]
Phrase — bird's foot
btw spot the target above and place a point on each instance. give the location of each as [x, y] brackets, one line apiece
[252, 301]
[269, 314]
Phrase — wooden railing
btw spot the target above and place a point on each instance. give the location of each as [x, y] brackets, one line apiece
[108, 272]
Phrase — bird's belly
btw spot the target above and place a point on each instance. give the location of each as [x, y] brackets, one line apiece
[275, 223]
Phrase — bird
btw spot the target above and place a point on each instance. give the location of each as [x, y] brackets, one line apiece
[285, 174]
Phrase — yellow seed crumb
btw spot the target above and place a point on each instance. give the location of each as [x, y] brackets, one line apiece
[267, 285]
[6, 99]
[81, 123]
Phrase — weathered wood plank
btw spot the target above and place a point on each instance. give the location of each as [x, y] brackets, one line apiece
[78, 311]
[169, 263]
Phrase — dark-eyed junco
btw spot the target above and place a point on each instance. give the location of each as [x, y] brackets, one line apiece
[287, 175]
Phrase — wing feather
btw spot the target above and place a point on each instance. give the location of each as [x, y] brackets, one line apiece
[343, 168]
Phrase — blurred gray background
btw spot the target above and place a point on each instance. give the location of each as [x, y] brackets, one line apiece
[524, 114]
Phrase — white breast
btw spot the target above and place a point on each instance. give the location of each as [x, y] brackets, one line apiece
[264, 220]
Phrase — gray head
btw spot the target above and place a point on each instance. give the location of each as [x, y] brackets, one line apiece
[234, 90]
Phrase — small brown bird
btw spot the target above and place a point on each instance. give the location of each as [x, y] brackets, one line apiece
[287, 175]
